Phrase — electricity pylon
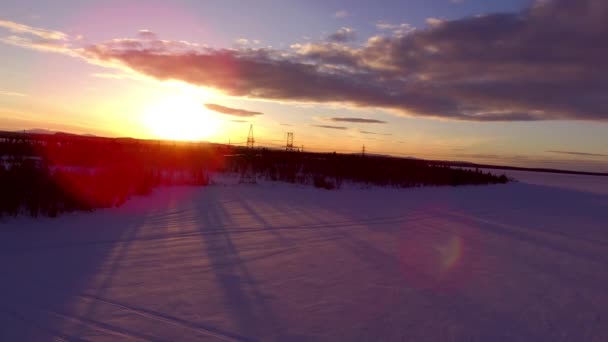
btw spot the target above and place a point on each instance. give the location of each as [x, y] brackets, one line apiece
[289, 145]
[247, 173]
[250, 139]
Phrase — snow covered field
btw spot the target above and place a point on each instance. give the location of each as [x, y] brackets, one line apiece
[598, 185]
[515, 262]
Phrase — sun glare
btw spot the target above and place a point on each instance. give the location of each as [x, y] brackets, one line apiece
[179, 118]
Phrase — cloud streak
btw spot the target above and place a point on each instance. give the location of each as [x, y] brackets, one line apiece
[583, 154]
[231, 111]
[11, 93]
[331, 127]
[374, 133]
[37, 32]
[358, 120]
[546, 62]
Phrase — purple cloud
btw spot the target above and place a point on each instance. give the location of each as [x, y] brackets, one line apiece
[231, 111]
[344, 34]
[358, 120]
[584, 154]
[546, 62]
[330, 127]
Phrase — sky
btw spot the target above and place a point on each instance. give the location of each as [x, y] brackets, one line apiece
[519, 82]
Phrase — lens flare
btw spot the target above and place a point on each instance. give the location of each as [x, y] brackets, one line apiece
[440, 253]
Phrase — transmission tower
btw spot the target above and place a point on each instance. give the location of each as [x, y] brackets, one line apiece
[363, 151]
[250, 140]
[289, 145]
[247, 173]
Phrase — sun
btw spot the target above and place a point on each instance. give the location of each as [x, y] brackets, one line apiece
[179, 117]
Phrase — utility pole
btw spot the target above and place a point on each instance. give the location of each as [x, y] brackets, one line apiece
[363, 151]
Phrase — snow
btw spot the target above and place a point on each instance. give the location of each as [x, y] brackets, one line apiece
[514, 262]
[595, 184]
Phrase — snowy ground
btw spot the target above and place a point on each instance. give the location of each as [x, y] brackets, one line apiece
[595, 184]
[515, 262]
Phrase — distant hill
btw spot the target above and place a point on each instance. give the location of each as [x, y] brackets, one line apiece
[450, 163]
[51, 132]
[514, 168]
[38, 131]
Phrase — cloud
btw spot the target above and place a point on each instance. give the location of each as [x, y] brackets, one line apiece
[147, 35]
[580, 153]
[331, 127]
[332, 55]
[38, 32]
[41, 44]
[238, 121]
[398, 30]
[546, 62]
[358, 120]
[344, 34]
[374, 133]
[242, 41]
[123, 76]
[342, 14]
[434, 21]
[231, 111]
[11, 93]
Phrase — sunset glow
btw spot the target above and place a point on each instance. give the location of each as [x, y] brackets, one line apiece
[404, 78]
[179, 118]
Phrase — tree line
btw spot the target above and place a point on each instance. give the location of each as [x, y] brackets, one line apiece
[51, 175]
[330, 170]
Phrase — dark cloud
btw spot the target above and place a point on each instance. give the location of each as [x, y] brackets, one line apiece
[231, 111]
[344, 34]
[374, 133]
[358, 120]
[546, 62]
[580, 153]
[330, 127]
